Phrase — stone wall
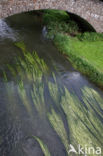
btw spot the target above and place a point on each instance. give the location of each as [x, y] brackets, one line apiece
[90, 10]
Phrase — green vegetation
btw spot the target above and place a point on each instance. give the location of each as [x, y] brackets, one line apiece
[83, 117]
[30, 68]
[84, 50]
[43, 146]
[83, 122]
[78, 117]
[54, 90]
[59, 21]
[85, 56]
[58, 125]
[90, 36]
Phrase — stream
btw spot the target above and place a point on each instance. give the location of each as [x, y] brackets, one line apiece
[44, 102]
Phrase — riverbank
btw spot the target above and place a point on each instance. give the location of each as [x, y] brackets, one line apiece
[84, 50]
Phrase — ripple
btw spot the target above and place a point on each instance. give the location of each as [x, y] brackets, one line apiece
[6, 31]
[74, 76]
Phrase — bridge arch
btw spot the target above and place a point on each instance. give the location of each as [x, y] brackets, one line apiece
[90, 10]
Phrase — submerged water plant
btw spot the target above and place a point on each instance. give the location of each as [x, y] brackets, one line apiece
[58, 125]
[83, 116]
[29, 69]
[24, 98]
[81, 120]
[38, 97]
[54, 89]
[43, 146]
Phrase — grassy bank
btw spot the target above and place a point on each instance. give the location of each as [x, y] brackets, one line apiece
[85, 56]
[84, 50]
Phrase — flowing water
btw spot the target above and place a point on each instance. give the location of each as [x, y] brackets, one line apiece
[45, 105]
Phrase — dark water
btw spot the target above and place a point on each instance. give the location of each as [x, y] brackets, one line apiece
[50, 100]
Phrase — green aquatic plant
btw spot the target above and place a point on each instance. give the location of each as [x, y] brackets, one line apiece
[80, 115]
[94, 103]
[54, 90]
[83, 117]
[24, 98]
[5, 77]
[12, 70]
[21, 45]
[43, 146]
[54, 117]
[29, 69]
[35, 68]
[38, 97]
[58, 125]
[85, 126]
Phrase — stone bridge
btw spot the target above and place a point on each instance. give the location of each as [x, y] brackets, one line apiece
[90, 10]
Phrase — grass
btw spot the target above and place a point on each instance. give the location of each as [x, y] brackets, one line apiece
[86, 55]
[90, 36]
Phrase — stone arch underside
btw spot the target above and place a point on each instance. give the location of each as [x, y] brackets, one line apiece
[90, 10]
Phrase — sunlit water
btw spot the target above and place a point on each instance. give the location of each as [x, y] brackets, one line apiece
[46, 100]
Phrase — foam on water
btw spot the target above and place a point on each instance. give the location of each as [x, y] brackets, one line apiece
[6, 31]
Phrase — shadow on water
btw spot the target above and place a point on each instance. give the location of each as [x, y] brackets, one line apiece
[45, 104]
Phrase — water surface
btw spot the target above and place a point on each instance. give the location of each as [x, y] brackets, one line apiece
[42, 96]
